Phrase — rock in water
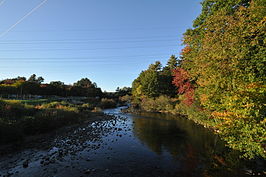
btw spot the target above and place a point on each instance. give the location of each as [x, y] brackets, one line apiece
[26, 164]
[88, 171]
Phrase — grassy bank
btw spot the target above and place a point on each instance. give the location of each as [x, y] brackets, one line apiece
[21, 118]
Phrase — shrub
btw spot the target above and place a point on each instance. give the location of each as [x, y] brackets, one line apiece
[87, 106]
[159, 104]
[59, 105]
[164, 104]
[18, 120]
[107, 103]
[125, 99]
[149, 104]
[10, 132]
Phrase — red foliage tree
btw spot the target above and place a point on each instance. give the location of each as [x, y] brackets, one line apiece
[182, 82]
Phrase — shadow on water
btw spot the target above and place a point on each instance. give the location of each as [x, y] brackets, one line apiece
[198, 150]
[155, 134]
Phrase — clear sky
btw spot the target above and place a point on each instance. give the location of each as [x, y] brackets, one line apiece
[108, 41]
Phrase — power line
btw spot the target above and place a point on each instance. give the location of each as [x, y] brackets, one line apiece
[82, 41]
[73, 62]
[86, 40]
[79, 58]
[101, 29]
[87, 49]
[23, 18]
[82, 61]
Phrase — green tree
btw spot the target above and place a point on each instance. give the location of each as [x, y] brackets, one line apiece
[171, 64]
[150, 83]
[85, 83]
[157, 66]
[57, 83]
[166, 78]
[33, 78]
[225, 55]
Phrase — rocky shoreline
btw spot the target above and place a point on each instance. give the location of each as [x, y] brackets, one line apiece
[45, 150]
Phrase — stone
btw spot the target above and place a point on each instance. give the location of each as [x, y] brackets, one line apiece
[88, 171]
[25, 164]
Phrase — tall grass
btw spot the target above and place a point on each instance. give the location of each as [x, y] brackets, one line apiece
[18, 119]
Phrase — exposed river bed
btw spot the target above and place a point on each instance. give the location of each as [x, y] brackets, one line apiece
[128, 145]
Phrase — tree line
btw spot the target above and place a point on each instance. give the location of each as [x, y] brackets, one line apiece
[219, 78]
[22, 87]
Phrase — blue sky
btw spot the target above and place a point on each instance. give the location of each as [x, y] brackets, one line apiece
[108, 41]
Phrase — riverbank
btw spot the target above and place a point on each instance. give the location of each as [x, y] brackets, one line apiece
[45, 152]
[257, 163]
[198, 116]
[204, 118]
[43, 140]
[127, 145]
[22, 119]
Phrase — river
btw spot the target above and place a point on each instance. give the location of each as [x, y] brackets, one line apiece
[148, 144]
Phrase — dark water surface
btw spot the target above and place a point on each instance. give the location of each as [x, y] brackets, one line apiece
[129, 145]
[167, 145]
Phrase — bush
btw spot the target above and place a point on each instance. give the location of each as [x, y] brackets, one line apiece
[195, 113]
[13, 109]
[159, 104]
[59, 105]
[107, 103]
[164, 104]
[149, 104]
[125, 99]
[18, 120]
[10, 132]
[87, 106]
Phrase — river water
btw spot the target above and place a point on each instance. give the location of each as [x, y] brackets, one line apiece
[141, 145]
[167, 145]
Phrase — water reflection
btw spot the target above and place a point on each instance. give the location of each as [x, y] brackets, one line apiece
[197, 149]
[179, 147]
[155, 134]
[174, 134]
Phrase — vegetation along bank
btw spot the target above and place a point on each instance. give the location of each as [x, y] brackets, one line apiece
[219, 79]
